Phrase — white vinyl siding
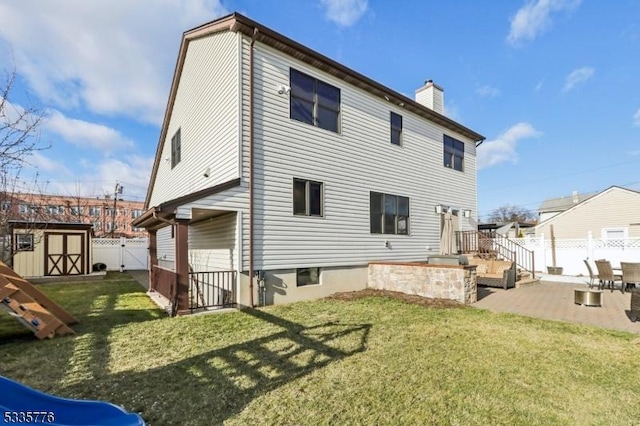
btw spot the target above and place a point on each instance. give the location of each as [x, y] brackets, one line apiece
[166, 248]
[351, 164]
[206, 112]
[212, 244]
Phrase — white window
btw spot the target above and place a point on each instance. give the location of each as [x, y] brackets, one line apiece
[6, 205]
[22, 208]
[307, 276]
[24, 242]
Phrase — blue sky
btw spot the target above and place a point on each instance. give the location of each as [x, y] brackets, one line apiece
[552, 84]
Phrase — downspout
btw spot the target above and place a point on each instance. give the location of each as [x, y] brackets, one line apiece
[251, 142]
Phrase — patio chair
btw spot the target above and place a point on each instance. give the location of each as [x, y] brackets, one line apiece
[606, 275]
[592, 277]
[630, 274]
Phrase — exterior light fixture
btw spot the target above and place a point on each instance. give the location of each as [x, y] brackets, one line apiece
[438, 209]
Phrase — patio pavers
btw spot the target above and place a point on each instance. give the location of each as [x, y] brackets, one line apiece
[555, 301]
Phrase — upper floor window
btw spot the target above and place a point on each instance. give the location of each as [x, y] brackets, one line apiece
[175, 149]
[6, 205]
[94, 210]
[136, 213]
[76, 211]
[389, 214]
[314, 102]
[453, 153]
[307, 197]
[396, 129]
[23, 208]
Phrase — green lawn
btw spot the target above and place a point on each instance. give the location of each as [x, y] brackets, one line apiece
[374, 360]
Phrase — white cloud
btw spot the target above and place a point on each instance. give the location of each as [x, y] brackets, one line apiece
[84, 134]
[487, 91]
[107, 56]
[99, 177]
[636, 118]
[503, 149]
[538, 86]
[345, 13]
[133, 173]
[577, 77]
[535, 17]
[46, 164]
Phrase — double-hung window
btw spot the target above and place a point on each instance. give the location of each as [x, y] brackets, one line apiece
[389, 214]
[314, 102]
[307, 197]
[396, 129]
[453, 153]
[176, 149]
[24, 242]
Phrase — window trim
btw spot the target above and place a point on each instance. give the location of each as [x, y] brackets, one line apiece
[449, 153]
[307, 197]
[30, 243]
[316, 101]
[395, 129]
[310, 283]
[382, 214]
[176, 148]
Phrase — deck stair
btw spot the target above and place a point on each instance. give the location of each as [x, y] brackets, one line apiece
[497, 247]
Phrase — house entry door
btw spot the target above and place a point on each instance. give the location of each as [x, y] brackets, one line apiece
[64, 254]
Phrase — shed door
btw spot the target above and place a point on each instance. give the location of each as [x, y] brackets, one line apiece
[64, 254]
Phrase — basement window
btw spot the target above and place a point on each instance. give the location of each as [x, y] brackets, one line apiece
[307, 276]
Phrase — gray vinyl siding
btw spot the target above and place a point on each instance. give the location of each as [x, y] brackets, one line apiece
[212, 244]
[614, 208]
[350, 164]
[206, 112]
[166, 248]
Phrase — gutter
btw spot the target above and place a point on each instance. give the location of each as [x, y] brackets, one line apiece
[251, 165]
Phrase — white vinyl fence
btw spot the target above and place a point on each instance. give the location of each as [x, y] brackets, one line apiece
[570, 254]
[120, 254]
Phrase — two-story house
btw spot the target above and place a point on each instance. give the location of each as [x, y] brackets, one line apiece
[291, 172]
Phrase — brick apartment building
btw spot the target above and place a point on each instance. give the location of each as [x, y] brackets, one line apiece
[109, 217]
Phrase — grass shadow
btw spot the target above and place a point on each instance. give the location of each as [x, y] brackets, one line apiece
[214, 386]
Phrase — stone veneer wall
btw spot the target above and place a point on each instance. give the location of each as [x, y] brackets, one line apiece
[434, 281]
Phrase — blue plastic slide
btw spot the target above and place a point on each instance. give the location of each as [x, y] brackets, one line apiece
[20, 404]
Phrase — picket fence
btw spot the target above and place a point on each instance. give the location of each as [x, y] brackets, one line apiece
[570, 254]
[121, 254]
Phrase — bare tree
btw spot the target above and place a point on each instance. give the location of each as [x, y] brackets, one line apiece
[511, 213]
[19, 139]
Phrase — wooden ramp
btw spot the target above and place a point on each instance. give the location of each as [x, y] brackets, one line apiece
[32, 307]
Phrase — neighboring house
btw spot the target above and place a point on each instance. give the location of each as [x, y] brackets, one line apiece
[554, 206]
[611, 214]
[99, 212]
[275, 161]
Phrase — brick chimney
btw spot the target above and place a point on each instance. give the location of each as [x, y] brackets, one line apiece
[432, 96]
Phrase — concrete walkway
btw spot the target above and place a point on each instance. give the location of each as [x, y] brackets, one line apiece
[553, 298]
[142, 277]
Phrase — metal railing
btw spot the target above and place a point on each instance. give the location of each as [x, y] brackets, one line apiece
[496, 246]
[216, 289]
